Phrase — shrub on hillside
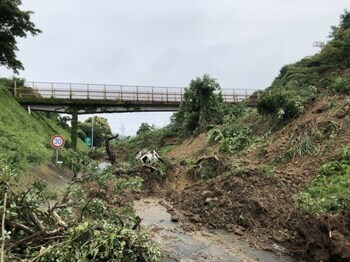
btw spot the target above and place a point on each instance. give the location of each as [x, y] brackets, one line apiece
[9, 83]
[341, 85]
[232, 139]
[280, 106]
[145, 128]
[313, 73]
[329, 192]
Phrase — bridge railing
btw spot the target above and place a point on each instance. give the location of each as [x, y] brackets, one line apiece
[118, 93]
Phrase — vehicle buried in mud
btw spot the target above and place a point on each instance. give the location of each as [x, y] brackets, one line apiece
[148, 156]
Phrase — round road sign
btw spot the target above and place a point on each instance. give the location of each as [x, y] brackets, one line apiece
[57, 141]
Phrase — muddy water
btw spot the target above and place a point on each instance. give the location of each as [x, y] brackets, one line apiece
[180, 245]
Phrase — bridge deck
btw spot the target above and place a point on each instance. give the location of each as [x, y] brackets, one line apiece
[59, 97]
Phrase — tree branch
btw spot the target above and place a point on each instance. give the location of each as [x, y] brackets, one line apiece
[110, 153]
[3, 228]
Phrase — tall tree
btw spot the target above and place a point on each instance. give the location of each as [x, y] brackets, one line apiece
[144, 128]
[202, 105]
[101, 129]
[14, 23]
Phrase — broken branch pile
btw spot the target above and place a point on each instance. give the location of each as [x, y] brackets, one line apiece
[82, 227]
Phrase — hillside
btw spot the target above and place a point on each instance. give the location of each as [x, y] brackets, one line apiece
[24, 138]
[261, 191]
[278, 175]
[281, 184]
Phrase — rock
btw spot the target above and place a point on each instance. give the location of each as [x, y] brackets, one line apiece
[175, 218]
[236, 229]
[207, 193]
[319, 255]
[341, 245]
[209, 199]
[280, 236]
[343, 112]
[195, 218]
[229, 226]
[345, 72]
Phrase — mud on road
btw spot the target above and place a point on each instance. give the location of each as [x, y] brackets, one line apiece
[180, 244]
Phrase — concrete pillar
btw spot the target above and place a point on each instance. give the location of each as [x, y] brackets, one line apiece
[74, 128]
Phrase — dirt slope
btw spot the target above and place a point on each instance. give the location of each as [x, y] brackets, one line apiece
[258, 198]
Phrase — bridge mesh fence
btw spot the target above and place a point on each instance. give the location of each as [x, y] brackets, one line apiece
[126, 93]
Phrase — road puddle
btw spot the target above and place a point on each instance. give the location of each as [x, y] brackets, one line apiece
[181, 245]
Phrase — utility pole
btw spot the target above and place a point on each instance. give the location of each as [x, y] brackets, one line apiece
[122, 130]
[92, 132]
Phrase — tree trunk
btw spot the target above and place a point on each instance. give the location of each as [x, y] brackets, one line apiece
[110, 153]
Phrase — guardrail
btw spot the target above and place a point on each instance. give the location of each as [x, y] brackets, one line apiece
[119, 93]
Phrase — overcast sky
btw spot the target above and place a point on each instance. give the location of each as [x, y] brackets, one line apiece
[242, 44]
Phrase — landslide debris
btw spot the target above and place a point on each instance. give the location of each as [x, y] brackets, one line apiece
[257, 197]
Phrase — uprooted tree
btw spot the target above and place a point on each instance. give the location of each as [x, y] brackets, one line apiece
[111, 155]
[90, 223]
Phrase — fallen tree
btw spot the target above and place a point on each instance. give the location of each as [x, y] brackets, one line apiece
[111, 155]
[88, 224]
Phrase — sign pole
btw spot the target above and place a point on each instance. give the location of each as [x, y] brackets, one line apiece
[57, 142]
[56, 156]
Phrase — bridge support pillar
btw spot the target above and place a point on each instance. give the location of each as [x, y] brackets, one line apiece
[74, 129]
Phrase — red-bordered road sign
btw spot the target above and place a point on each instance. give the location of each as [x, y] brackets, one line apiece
[57, 141]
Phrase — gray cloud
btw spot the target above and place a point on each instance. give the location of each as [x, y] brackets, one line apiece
[241, 43]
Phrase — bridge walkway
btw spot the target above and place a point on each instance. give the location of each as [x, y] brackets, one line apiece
[59, 97]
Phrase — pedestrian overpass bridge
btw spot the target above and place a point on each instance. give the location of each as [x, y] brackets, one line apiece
[103, 98]
[76, 98]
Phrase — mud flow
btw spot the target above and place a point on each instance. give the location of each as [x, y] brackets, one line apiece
[180, 244]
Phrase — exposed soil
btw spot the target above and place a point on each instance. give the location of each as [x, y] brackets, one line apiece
[190, 147]
[181, 244]
[260, 205]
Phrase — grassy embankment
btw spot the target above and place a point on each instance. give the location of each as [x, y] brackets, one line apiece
[25, 138]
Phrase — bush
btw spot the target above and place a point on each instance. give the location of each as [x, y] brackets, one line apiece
[232, 140]
[341, 85]
[305, 146]
[9, 83]
[145, 128]
[329, 192]
[97, 153]
[279, 106]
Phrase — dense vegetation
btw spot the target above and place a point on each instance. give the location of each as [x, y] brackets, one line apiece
[100, 128]
[24, 138]
[14, 24]
[82, 227]
[329, 192]
[297, 83]
[202, 105]
[71, 229]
